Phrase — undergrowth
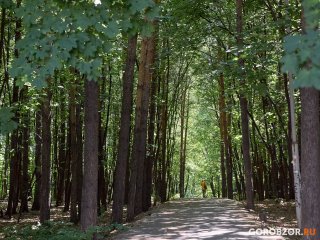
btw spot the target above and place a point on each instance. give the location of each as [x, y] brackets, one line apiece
[57, 231]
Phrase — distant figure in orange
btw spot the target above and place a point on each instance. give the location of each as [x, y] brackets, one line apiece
[204, 188]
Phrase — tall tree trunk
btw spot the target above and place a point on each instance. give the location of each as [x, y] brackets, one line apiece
[46, 156]
[4, 188]
[61, 154]
[244, 114]
[150, 159]
[25, 158]
[2, 34]
[310, 155]
[103, 132]
[164, 157]
[224, 129]
[67, 172]
[182, 139]
[186, 137]
[91, 141]
[37, 162]
[223, 169]
[124, 135]
[310, 151]
[74, 217]
[14, 172]
[140, 130]
[80, 154]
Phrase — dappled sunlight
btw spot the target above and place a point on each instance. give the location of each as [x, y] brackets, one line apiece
[195, 219]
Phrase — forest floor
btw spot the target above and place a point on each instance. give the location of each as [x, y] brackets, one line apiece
[211, 219]
[186, 219]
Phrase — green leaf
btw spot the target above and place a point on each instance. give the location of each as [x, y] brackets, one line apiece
[67, 43]
[7, 124]
[290, 63]
[291, 43]
[152, 13]
[139, 5]
[7, 4]
[112, 29]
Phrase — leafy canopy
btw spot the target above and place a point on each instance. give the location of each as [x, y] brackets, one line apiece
[302, 52]
[74, 34]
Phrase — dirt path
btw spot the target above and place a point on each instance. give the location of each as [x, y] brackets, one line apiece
[190, 219]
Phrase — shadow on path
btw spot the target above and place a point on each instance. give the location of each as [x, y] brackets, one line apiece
[196, 219]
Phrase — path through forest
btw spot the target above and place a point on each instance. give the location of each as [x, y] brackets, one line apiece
[196, 219]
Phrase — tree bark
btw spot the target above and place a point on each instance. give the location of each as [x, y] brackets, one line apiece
[124, 135]
[37, 163]
[25, 158]
[46, 156]
[164, 157]
[2, 35]
[225, 139]
[91, 141]
[150, 159]
[74, 217]
[61, 154]
[14, 171]
[182, 165]
[140, 130]
[67, 172]
[310, 158]
[80, 153]
[244, 115]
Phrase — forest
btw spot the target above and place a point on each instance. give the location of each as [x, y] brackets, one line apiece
[117, 106]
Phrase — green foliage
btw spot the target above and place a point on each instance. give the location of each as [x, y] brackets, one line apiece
[6, 121]
[77, 34]
[58, 231]
[8, 4]
[302, 52]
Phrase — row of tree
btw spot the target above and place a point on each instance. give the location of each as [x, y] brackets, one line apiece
[129, 102]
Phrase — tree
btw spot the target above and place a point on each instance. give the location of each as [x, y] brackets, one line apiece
[244, 114]
[37, 162]
[124, 135]
[74, 213]
[310, 139]
[45, 157]
[90, 176]
[140, 129]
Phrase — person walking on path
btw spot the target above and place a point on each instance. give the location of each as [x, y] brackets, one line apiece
[204, 188]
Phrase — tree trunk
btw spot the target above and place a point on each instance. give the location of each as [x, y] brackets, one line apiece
[79, 121]
[67, 172]
[140, 130]
[186, 138]
[182, 139]
[244, 115]
[46, 155]
[5, 169]
[2, 35]
[224, 129]
[61, 154]
[25, 158]
[37, 162]
[310, 155]
[164, 158]
[91, 141]
[150, 159]
[74, 217]
[14, 172]
[124, 135]
[103, 132]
